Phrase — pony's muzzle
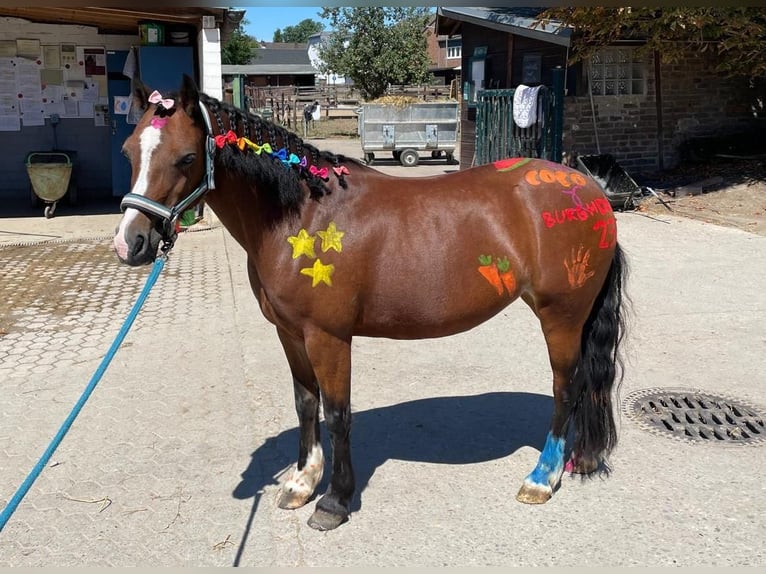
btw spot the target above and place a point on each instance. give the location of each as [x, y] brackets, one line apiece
[137, 246]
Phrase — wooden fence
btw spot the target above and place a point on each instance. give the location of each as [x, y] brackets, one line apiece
[284, 104]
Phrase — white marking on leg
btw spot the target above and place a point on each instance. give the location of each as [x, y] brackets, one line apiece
[148, 141]
[302, 483]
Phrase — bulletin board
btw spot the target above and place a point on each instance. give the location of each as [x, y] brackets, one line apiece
[38, 80]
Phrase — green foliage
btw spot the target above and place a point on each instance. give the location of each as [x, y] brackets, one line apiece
[377, 46]
[299, 33]
[240, 48]
[737, 35]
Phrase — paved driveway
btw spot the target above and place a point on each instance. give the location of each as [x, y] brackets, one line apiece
[176, 458]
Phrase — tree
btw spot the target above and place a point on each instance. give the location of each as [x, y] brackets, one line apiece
[299, 33]
[736, 34]
[377, 46]
[240, 48]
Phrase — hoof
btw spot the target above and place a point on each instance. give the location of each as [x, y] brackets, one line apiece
[290, 499]
[534, 494]
[323, 520]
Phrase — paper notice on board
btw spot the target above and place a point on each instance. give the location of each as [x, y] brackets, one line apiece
[32, 112]
[50, 108]
[90, 91]
[28, 79]
[28, 48]
[51, 77]
[71, 109]
[95, 61]
[9, 105]
[53, 94]
[10, 123]
[86, 109]
[7, 76]
[52, 56]
[121, 105]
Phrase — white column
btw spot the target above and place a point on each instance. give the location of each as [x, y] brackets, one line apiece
[211, 74]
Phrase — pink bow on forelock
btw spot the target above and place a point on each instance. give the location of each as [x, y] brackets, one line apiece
[156, 98]
[340, 170]
[323, 172]
[223, 139]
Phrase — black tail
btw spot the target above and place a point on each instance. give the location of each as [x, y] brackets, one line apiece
[600, 366]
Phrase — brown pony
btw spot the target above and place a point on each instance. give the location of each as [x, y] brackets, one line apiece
[337, 249]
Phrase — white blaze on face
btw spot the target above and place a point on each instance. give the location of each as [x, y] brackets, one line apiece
[148, 141]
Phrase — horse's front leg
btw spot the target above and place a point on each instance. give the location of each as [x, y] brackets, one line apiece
[331, 360]
[307, 474]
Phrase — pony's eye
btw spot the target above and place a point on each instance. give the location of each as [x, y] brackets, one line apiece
[188, 159]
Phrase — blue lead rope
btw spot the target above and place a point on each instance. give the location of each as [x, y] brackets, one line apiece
[159, 263]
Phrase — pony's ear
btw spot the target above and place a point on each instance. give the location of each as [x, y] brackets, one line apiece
[140, 94]
[189, 95]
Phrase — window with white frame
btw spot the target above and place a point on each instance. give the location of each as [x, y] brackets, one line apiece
[617, 72]
[454, 48]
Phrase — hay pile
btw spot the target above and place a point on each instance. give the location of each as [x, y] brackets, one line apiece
[396, 101]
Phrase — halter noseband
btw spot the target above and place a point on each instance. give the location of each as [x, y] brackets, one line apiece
[169, 215]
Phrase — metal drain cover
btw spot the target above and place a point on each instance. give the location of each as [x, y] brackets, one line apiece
[696, 416]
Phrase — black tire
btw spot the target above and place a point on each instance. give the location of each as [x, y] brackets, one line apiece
[437, 153]
[451, 159]
[369, 158]
[409, 158]
[397, 154]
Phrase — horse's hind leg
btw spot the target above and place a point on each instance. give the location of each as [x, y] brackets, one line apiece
[562, 336]
[299, 488]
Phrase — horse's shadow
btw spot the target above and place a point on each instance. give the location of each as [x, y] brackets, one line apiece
[443, 430]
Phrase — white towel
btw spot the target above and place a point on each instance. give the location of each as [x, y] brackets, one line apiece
[525, 105]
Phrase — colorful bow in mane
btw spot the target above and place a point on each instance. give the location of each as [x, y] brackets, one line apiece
[320, 172]
[281, 154]
[257, 149]
[340, 170]
[292, 160]
[223, 139]
[166, 103]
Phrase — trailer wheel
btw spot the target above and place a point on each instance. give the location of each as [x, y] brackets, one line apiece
[369, 157]
[409, 158]
[451, 158]
[436, 154]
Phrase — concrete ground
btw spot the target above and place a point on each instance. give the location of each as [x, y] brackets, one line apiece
[176, 458]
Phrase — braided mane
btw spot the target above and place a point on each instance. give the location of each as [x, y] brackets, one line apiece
[283, 183]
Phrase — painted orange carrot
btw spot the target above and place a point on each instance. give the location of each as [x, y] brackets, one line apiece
[509, 281]
[489, 270]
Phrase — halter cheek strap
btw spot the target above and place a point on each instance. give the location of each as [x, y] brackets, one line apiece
[169, 215]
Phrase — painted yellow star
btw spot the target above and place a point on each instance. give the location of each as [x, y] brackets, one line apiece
[319, 273]
[303, 244]
[331, 238]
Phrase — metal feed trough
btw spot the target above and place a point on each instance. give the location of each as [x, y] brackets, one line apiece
[406, 130]
[613, 179]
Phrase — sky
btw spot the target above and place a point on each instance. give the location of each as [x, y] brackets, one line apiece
[264, 20]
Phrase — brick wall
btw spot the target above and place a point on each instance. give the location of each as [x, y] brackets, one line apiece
[695, 102]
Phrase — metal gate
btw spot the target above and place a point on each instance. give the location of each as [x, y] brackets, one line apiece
[498, 136]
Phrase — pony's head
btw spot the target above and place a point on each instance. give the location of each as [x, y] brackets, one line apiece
[169, 160]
